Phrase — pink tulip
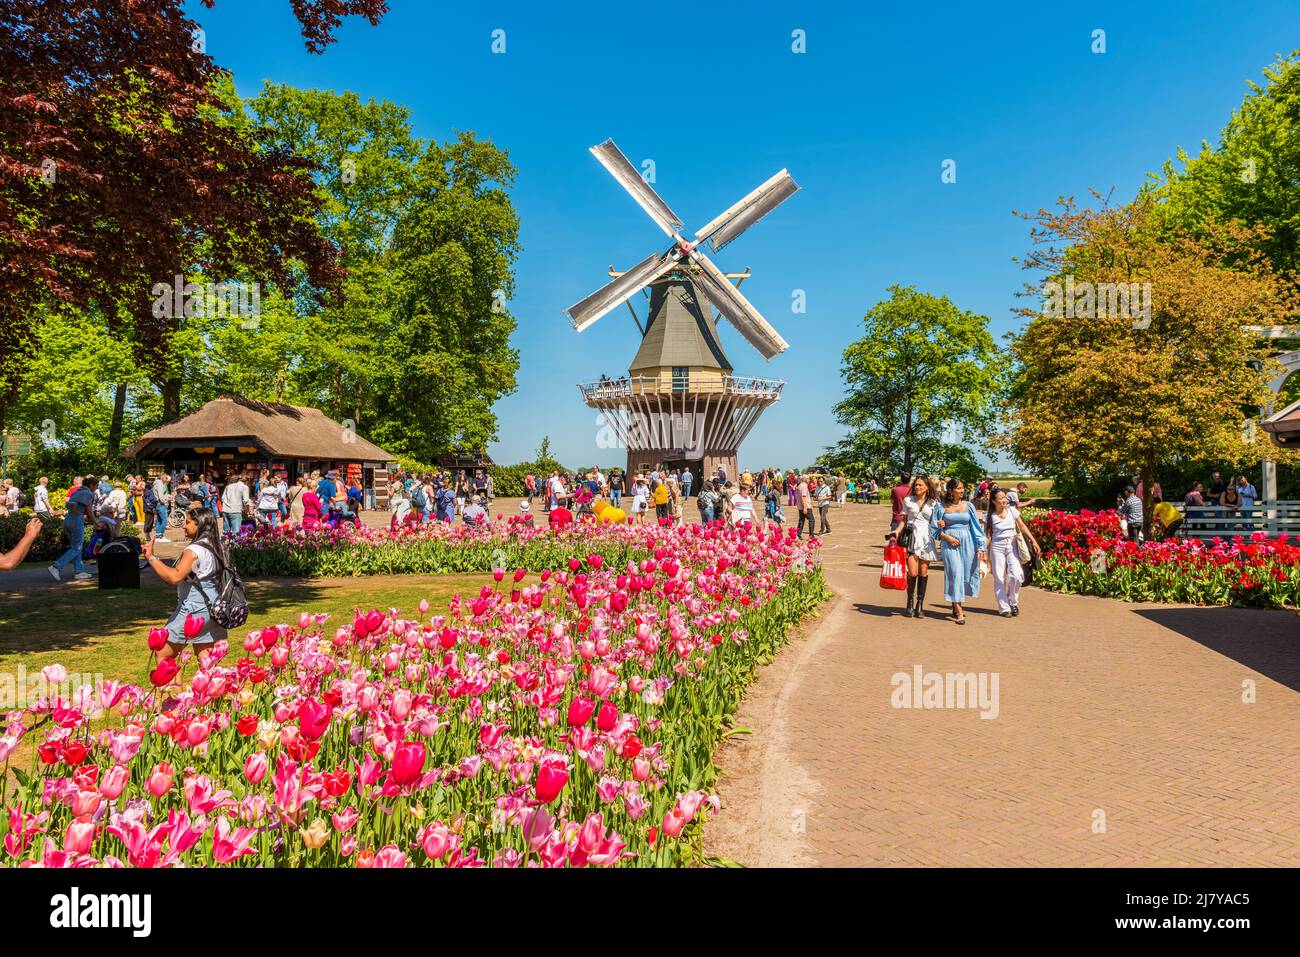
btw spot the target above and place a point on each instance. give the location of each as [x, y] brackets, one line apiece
[114, 782]
[537, 827]
[607, 717]
[79, 838]
[85, 803]
[198, 731]
[255, 767]
[592, 833]
[194, 625]
[580, 710]
[313, 718]
[552, 776]
[408, 762]
[160, 780]
[345, 819]
[389, 857]
[436, 840]
[228, 845]
[401, 705]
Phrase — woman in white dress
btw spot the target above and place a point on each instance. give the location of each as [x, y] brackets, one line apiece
[640, 497]
[913, 533]
[1002, 525]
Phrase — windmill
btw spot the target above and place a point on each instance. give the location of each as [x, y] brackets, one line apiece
[681, 404]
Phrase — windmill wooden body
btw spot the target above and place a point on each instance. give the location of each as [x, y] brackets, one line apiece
[681, 403]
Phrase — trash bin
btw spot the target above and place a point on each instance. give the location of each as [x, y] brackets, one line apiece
[119, 566]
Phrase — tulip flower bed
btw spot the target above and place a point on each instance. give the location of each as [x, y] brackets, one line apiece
[432, 548]
[1083, 554]
[560, 718]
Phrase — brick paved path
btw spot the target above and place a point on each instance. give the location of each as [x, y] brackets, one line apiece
[1121, 736]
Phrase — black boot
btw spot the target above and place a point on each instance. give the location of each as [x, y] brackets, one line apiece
[920, 596]
[911, 591]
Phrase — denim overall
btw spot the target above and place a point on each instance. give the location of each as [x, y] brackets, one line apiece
[190, 602]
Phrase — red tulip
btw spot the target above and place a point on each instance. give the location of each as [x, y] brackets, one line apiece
[498, 574]
[157, 639]
[194, 625]
[575, 564]
[520, 573]
[408, 762]
[552, 776]
[631, 747]
[337, 783]
[247, 725]
[580, 711]
[607, 717]
[374, 621]
[163, 674]
[313, 719]
[74, 752]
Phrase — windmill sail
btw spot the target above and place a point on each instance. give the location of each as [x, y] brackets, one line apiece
[748, 211]
[619, 290]
[612, 158]
[738, 310]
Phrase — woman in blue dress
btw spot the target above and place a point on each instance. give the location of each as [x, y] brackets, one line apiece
[957, 528]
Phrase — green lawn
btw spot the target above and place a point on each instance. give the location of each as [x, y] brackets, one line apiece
[103, 632]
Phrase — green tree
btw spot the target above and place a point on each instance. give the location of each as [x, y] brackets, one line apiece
[447, 354]
[1250, 177]
[924, 373]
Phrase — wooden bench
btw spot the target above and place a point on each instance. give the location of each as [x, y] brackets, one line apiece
[1272, 518]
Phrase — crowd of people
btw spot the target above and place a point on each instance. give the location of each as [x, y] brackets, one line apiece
[441, 496]
[935, 522]
[661, 494]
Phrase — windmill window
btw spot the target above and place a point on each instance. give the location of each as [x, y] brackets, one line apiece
[681, 378]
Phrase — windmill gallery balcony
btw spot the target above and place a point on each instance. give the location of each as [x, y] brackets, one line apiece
[608, 391]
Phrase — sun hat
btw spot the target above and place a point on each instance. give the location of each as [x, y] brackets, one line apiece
[524, 506]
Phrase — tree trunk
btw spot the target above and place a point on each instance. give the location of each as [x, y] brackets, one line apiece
[907, 439]
[171, 399]
[115, 426]
[1148, 494]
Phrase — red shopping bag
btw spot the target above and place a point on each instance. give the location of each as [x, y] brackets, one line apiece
[894, 572]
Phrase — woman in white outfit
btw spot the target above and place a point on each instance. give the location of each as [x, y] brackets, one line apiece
[1002, 526]
[917, 509]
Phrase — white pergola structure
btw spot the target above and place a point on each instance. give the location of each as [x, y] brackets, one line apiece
[1273, 421]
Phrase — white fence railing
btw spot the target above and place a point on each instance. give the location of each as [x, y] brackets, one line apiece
[1272, 518]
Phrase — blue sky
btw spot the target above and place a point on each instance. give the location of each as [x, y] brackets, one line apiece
[715, 96]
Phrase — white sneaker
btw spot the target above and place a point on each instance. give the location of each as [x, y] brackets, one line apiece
[162, 538]
[54, 573]
[82, 576]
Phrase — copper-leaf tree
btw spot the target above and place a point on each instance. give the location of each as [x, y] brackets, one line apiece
[1108, 384]
[121, 166]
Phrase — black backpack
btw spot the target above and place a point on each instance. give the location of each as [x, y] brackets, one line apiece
[230, 608]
